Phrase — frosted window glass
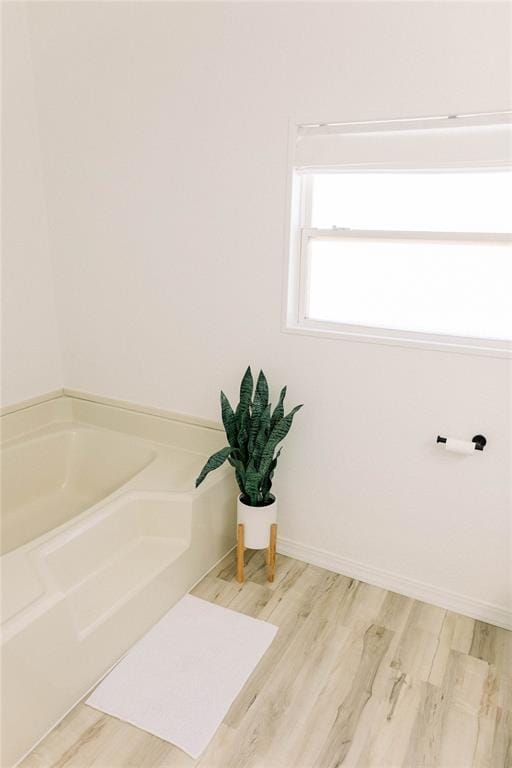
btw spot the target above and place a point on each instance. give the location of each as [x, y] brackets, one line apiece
[445, 202]
[461, 289]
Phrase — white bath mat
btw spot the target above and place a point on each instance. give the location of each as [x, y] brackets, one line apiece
[180, 679]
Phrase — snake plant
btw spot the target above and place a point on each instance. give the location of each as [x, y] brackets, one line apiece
[253, 431]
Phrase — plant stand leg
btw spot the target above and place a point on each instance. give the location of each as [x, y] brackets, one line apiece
[240, 549]
[271, 556]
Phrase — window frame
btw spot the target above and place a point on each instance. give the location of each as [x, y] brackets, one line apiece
[297, 259]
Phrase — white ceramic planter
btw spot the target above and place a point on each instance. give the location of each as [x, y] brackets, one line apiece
[257, 522]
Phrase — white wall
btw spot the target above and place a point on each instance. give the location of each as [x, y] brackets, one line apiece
[164, 133]
[31, 356]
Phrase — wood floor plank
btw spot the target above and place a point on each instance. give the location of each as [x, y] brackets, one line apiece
[395, 609]
[375, 643]
[356, 677]
[484, 642]
[302, 670]
[382, 738]
[382, 734]
[453, 722]
[494, 645]
[289, 615]
[501, 755]
[456, 635]
[332, 723]
[81, 725]
[420, 640]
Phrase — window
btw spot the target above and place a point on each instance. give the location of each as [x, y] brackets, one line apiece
[401, 232]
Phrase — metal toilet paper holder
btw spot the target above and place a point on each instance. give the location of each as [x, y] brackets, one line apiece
[479, 440]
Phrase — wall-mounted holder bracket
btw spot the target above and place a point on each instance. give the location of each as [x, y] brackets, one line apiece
[479, 440]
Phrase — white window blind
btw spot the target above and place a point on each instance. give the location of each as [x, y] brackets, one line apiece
[401, 231]
[409, 145]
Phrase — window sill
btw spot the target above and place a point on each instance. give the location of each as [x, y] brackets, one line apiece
[435, 342]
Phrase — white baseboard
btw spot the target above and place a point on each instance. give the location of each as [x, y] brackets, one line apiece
[419, 590]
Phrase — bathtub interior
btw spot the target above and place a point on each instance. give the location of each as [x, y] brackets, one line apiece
[59, 472]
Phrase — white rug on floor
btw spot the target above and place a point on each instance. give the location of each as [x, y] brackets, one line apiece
[180, 679]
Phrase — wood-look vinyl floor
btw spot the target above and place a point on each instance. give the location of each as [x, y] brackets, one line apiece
[356, 677]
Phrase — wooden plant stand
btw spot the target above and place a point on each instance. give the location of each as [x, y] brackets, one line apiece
[240, 553]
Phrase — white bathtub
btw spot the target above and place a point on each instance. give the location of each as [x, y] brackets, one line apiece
[102, 532]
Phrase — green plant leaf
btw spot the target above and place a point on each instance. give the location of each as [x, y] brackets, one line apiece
[246, 387]
[279, 409]
[239, 471]
[257, 409]
[243, 435]
[279, 432]
[273, 463]
[214, 462]
[262, 437]
[262, 389]
[266, 484]
[242, 413]
[252, 484]
[228, 419]
[282, 427]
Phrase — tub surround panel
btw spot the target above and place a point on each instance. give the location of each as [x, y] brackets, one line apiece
[29, 402]
[187, 418]
[167, 427]
[26, 418]
[148, 426]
